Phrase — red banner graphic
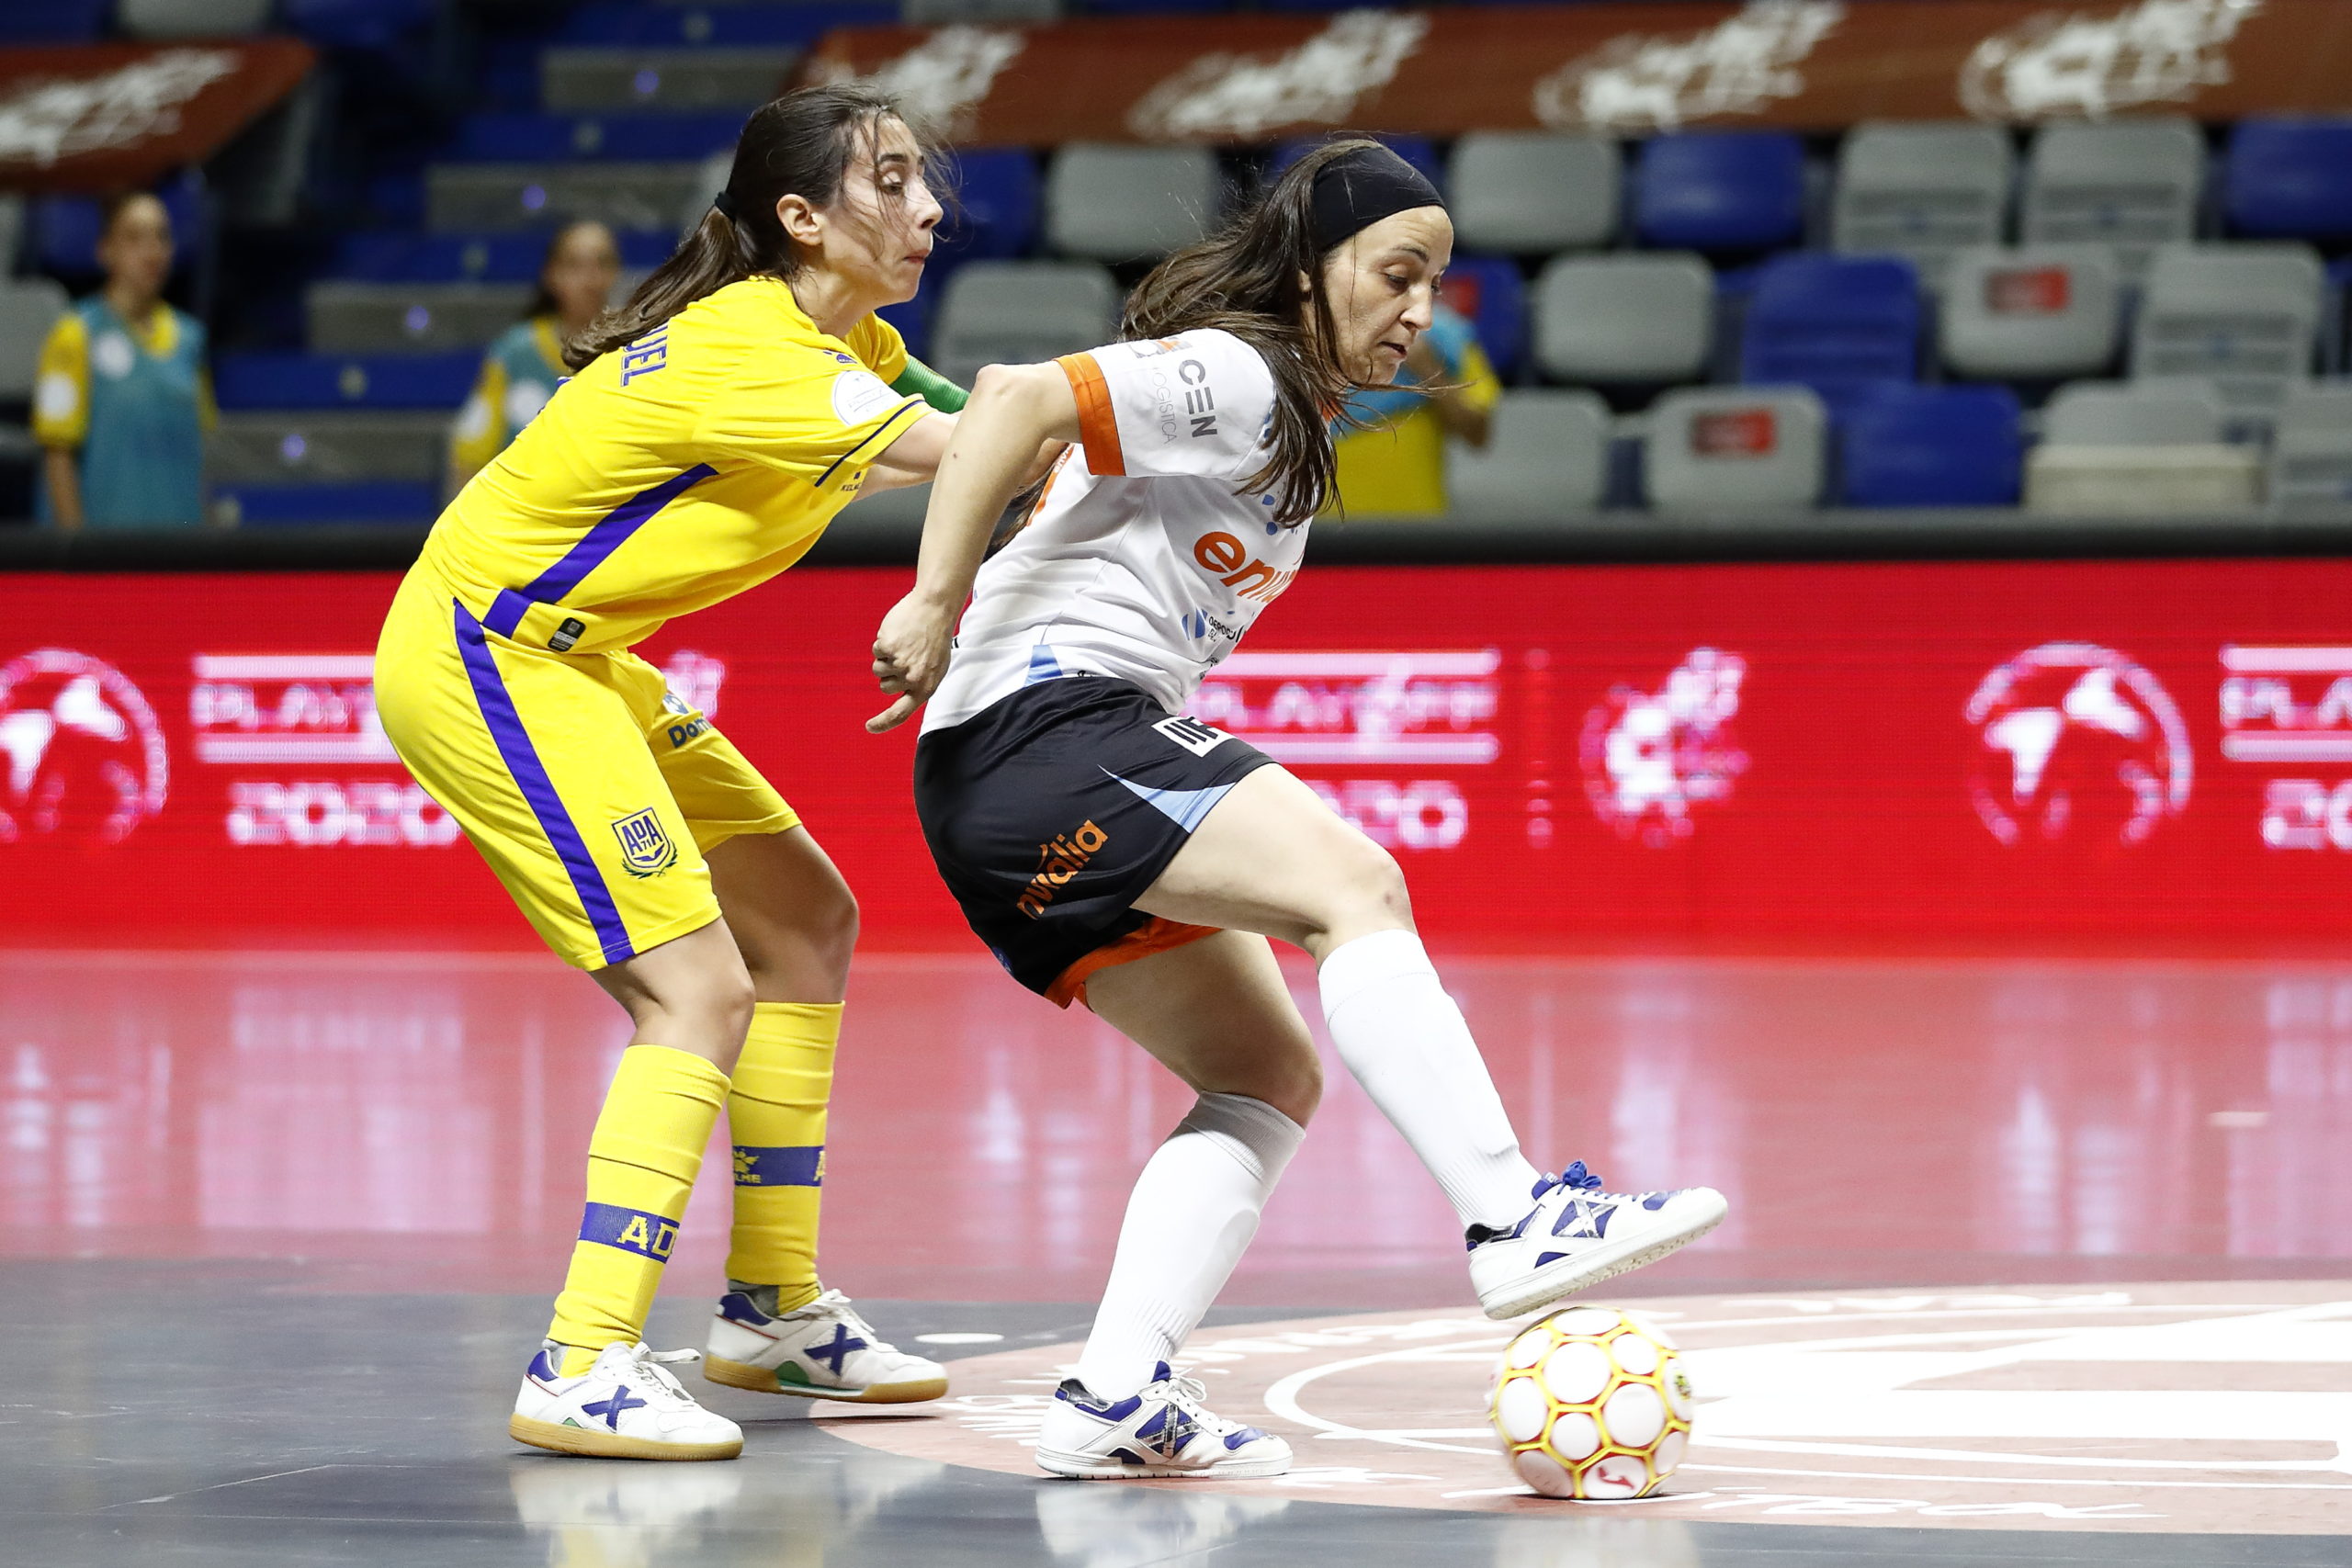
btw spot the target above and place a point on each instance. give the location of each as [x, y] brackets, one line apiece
[91, 116]
[1559, 757]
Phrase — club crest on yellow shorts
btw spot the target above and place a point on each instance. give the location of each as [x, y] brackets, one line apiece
[647, 848]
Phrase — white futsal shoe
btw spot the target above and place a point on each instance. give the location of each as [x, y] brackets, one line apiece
[626, 1406]
[1163, 1431]
[823, 1350]
[1577, 1236]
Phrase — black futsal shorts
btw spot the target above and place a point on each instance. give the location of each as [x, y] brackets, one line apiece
[1049, 812]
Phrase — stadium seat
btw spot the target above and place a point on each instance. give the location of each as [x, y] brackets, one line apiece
[2129, 183]
[1418, 150]
[1719, 190]
[280, 381]
[54, 21]
[1531, 192]
[593, 80]
[1838, 325]
[491, 197]
[529, 137]
[2039, 313]
[1922, 191]
[28, 308]
[1931, 446]
[2139, 449]
[397, 318]
[378, 501]
[1111, 202]
[2311, 453]
[731, 26]
[977, 12]
[2246, 316]
[12, 229]
[191, 18]
[1624, 320]
[1746, 447]
[268, 446]
[994, 201]
[473, 258]
[356, 24]
[1547, 453]
[1015, 312]
[2290, 179]
[1490, 291]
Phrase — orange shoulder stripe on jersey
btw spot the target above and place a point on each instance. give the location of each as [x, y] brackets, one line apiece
[1098, 428]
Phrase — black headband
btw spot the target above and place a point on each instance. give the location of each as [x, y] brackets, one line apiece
[1355, 192]
[725, 205]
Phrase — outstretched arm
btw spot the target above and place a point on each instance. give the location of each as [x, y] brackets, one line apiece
[1015, 410]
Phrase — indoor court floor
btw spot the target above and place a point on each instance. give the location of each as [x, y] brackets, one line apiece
[2028, 1261]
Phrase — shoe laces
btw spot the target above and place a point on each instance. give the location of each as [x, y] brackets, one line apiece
[654, 1367]
[1575, 1179]
[1190, 1395]
[835, 1304]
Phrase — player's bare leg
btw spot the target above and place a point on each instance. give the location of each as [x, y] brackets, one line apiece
[1272, 858]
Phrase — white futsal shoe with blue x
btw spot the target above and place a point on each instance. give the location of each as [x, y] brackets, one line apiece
[626, 1406]
[823, 1350]
[1577, 1236]
[1163, 1431]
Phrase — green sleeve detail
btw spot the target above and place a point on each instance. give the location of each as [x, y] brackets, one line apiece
[920, 380]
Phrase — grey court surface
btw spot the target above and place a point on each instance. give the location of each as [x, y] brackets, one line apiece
[228, 1414]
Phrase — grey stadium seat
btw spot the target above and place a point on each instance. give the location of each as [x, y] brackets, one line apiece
[28, 308]
[1734, 446]
[11, 229]
[1533, 192]
[2245, 316]
[1546, 454]
[2134, 414]
[2130, 184]
[1116, 203]
[1016, 312]
[259, 448]
[2036, 313]
[372, 318]
[580, 81]
[491, 196]
[1635, 319]
[1922, 191]
[191, 18]
[2311, 453]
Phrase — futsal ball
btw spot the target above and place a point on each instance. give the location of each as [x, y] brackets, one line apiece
[1592, 1402]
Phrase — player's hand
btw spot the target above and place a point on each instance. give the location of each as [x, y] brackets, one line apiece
[910, 658]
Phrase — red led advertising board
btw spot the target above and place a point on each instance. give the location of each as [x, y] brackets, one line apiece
[1564, 757]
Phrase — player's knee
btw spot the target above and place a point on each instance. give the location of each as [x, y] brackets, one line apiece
[1369, 889]
[726, 1002]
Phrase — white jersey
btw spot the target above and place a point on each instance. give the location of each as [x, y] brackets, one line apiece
[1144, 559]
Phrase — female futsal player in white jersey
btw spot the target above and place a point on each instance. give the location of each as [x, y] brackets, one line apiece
[1107, 848]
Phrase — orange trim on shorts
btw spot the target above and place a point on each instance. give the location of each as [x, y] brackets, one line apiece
[1098, 427]
[1159, 936]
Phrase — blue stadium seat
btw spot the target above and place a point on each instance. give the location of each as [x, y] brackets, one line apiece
[360, 501]
[1149, 7]
[1841, 325]
[2290, 179]
[355, 24]
[1489, 290]
[280, 381]
[624, 22]
[997, 205]
[403, 257]
[1418, 150]
[1720, 190]
[65, 228]
[1931, 446]
[54, 21]
[532, 137]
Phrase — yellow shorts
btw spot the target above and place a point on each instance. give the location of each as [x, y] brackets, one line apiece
[592, 791]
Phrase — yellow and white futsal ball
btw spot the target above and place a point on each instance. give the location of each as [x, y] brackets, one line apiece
[1592, 1402]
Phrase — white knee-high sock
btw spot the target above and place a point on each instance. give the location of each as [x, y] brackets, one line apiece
[1194, 1208]
[1406, 1042]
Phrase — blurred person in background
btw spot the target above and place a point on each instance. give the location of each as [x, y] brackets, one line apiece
[1393, 463]
[122, 402]
[526, 363]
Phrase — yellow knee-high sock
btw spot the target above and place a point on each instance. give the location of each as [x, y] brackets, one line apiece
[775, 1117]
[641, 1164]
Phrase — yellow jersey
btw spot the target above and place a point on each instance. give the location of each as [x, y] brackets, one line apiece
[695, 463]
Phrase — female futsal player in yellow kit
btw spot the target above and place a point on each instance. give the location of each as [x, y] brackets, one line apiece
[717, 423]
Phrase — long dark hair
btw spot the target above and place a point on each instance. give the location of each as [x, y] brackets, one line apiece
[1243, 280]
[803, 144]
[543, 299]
